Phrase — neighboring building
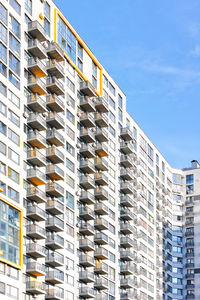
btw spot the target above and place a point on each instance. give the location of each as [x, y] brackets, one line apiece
[90, 208]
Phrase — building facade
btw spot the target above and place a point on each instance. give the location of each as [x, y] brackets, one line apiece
[89, 208]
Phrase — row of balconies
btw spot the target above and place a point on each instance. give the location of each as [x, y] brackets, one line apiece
[37, 177]
[88, 151]
[98, 119]
[35, 139]
[49, 84]
[38, 122]
[38, 104]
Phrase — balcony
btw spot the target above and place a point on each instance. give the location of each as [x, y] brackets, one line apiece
[126, 214]
[35, 157]
[87, 166]
[101, 224]
[101, 164]
[127, 295]
[87, 150]
[101, 284]
[102, 296]
[127, 255]
[55, 103]
[35, 250]
[87, 104]
[101, 268]
[86, 260]
[86, 292]
[36, 85]
[54, 172]
[36, 67]
[126, 187]
[55, 86]
[54, 206]
[101, 104]
[86, 229]
[54, 241]
[101, 179]
[126, 161]
[36, 49]
[126, 228]
[87, 119]
[35, 232]
[126, 134]
[126, 174]
[54, 120]
[54, 189]
[100, 193]
[54, 155]
[86, 182]
[54, 137]
[101, 120]
[36, 121]
[127, 269]
[35, 213]
[54, 293]
[86, 244]
[35, 194]
[101, 135]
[86, 213]
[35, 269]
[126, 283]
[87, 198]
[55, 52]
[55, 224]
[87, 135]
[100, 208]
[87, 89]
[127, 201]
[35, 176]
[54, 276]
[36, 103]
[101, 253]
[101, 149]
[54, 68]
[126, 147]
[35, 287]
[54, 259]
[37, 31]
[86, 276]
[35, 139]
[127, 242]
[101, 238]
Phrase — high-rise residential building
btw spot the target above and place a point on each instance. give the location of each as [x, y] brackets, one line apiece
[89, 208]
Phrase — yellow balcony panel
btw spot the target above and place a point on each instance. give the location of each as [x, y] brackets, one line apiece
[35, 139]
[36, 66]
[35, 269]
[36, 176]
[102, 149]
[35, 157]
[36, 85]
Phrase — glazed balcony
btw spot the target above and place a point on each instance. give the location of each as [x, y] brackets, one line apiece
[126, 174]
[101, 120]
[54, 259]
[101, 238]
[55, 52]
[101, 164]
[87, 150]
[101, 253]
[86, 276]
[86, 213]
[101, 283]
[36, 121]
[101, 104]
[35, 232]
[87, 166]
[87, 119]
[102, 296]
[54, 68]
[101, 135]
[127, 255]
[54, 172]
[54, 241]
[35, 176]
[54, 189]
[100, 193]
[87, 135]
[54, 137]
[36, 85]
[86, 229]
[54, 206]
[126, 283]
[100, 208]
[35, 250]
[35, 287]
[55, 103]
[101, 224]
[101, 268]
[55, 120]
[35, 213]
[127, 242]
[35, 194]
[87, 88]
[35, 157]
[126, 147]
[102, 149]
[126, 161]
[55, 224]
[87, 104]
[86, 197]
[55, 86]
[127, 201]
[54, 276]
[54, 155]
[35, 139]
[127, 269]
[100, 178]
[86, 244]
[54, 293]
[37, 31]
[86, 292]
[128, 295]
[126, 134]
[126, 228]
[126, 214]
[37, 49]
[35, 269]
[86, 182]
[126, 187]
[86, 260]
[36, 103]
[36, 67]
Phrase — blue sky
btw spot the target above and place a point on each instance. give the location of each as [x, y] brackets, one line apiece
[152, 49]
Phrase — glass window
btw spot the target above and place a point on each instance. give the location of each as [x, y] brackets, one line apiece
[120, 115]
[3, 14]
[2, 168]
[70, 149]
[13, 136]
[120, 101]
[111, 116]
[70, 200]
[70, 116]
[47, 26]
[94, 81]
[3, 69]
[14, 80]
[189, 179]
[13, 98]
[80, 64]
[14, 44]
[70, 133]
[70, 181]
[13, 156]
[70, 85]
[80, 51]
[3, 33]
[15, 26]
[2, 148]
[12, 194]
[12, 291]
[111, 130]
[14, 118]
[3, 128]
[12, 174]
[70, 165]
[111, 88]
[3, 89]
[112, 102]
[28, 6]
[2, 288]
[14, 63]
[71, 100]
[47, 10]
[3, 52]
[2, 109]
[16, 6]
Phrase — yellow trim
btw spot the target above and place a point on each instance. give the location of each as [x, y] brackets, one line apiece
[20, 266]
[85, 47]
[1, 190]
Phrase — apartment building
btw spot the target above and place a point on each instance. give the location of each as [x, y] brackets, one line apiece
[89, 208]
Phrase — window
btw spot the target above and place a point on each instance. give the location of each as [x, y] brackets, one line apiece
[71, 101]
[111, 130]
[14, 118]
[3, 52]
[2, 168]
[111, 88]
[70, 230]
[47, 26]
[94, 81]
[13, 98]
[13, 156]
[80, 64]
[190, 179]
[105, 80]
[70, 247]
[13, 175]
[14, 44]
[70, 165]
[13, 136]
[70, 116]
[47, 10]
[14, 80]
[69, 200]
[69, 216]
[15, 26]
[3, 69]
[2, 288]
[12, 194]
[2, 148]
[112, 102]
[14, 63]
[70, 133]
[28, 6]
[3, 89]
[2, 109]
[3, 14]
[3, 128]
[16, 6]
[70, 149]
[120, 103]
[120, 114]
[111, 116]
[3, 32]
[12, 291]
[70, 85]
[69, 264]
